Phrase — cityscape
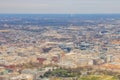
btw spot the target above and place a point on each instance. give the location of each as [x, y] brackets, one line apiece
[59, 46]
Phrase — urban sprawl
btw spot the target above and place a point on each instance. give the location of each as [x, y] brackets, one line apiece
[31, 45]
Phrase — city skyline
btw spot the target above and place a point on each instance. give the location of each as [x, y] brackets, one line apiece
[60, 6]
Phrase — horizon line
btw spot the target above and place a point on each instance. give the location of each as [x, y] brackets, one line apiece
[60, 13]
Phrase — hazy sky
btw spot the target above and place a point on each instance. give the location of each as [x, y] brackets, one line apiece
[60, 6]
